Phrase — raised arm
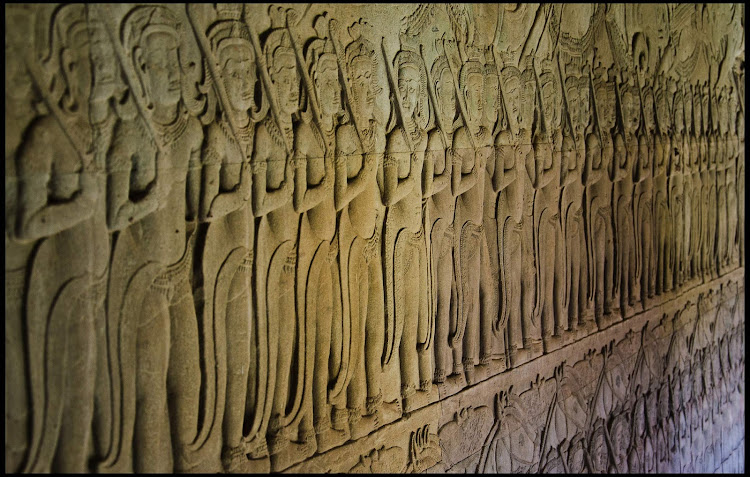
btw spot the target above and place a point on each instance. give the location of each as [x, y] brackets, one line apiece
[265, 201]
[126, 150]
[347, 145]
[214, 203]
[395, 188]
[306, 196]
[194, 181]
[37, 217]
[463, 150]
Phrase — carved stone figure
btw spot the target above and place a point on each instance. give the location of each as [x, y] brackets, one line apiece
[599, 170]
[548, 141]
[289, 428]
[20, 110]
[625, 143]
[472, 146]
[58, 207]
[357, 193]
[577, 282]
[153, 191]
[508, 175]
[675, 185]
[643, 212]
[249, 239]
[228, 235]
[405, 261]
[441, 205]
[662, 154]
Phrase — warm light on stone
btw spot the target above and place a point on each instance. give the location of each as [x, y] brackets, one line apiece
[491, 238]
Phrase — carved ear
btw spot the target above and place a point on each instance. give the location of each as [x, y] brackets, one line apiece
[140, 66]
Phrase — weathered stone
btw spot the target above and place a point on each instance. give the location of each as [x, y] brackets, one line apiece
[382, 238]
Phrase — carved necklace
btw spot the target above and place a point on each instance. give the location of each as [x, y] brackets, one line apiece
[168, 134]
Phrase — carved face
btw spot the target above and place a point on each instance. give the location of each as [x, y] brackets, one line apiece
[661, 113]
[513, 101]
[639, 416]
[648, 109]
[678, 113]
[584, 104]
[704, 110]
[723, 115]
[408, 88]
[77, 67]
[491, 96]
[606, 94]
[361, 86]
[697, 113]
[17, 81]
[620, 438]
[688, 105]
[474, 96]
[104, 63]
[569, 154]
[162, 69]
[328, 87]
[552, 101]
[732, 110]
[631, 109]
[686, 385]
[286, 81]
[239, 75]
[576, 457]
[446, 97]
[651, 405]
[528, 105]
[574, 103]
[599, 453]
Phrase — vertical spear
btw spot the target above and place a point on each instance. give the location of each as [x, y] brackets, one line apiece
[397, 96]
[461, 103]
[433, 97]
[266, 78]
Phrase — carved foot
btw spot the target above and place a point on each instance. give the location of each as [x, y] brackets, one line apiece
[535, 349]
[236, 461]
[285, 453]
[390, 411]
[517, 356]
[330, 438]
[551, 343]
[470, 373]
[439, 376]
[362, 426]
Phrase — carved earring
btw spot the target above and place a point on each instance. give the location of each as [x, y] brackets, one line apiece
[141, 65]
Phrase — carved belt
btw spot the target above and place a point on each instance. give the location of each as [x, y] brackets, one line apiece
[247, 262]
[175, 275]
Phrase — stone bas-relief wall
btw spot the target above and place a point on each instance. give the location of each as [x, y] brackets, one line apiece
[253, 238]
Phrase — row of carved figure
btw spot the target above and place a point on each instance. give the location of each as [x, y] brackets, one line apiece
[647, 404]
[227, 264]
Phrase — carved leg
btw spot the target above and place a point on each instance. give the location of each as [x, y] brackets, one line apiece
[281, 310]
[409, 271]
[445, 288]
[326, 436]
[152, 437]
[512, 262]
[374, 339]
[16, 385]
[532, 331]
[488, 292]
[425, 325]
[238, 335]
[184, 374]
[75, 430]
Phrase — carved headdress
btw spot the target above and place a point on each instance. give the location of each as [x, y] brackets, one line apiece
[409, 57]
[277, 44]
